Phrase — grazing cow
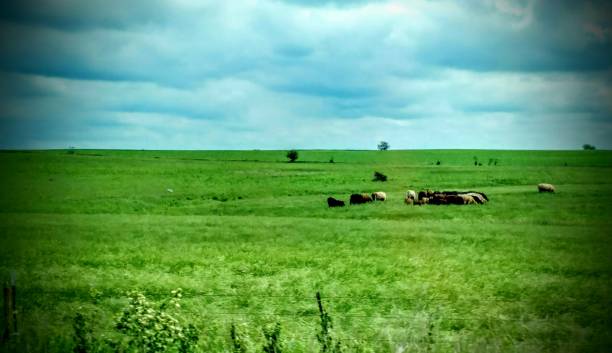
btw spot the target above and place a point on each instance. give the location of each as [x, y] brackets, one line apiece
[467, 199]
[331, 202]
[357, 199]
[544, 187]
[409, 200]
[379, 196]
[422, 194]
[455, 200]
[482, 194]
[423, 201]
[411, 194]
[478, 198]
[438, 198]
[452, 197]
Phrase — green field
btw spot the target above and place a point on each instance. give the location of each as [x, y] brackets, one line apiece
[250, 240]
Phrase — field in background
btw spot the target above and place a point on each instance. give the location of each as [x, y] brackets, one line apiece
[250, 239]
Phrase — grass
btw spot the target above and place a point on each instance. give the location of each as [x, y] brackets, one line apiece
[249, 238]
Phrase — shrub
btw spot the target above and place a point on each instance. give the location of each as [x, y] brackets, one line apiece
[379, 177]
[292, 155]
[151, 328]
[588, 147]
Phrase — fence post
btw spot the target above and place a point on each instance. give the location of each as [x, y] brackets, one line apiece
[10, 308]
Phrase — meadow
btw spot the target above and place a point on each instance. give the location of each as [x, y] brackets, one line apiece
[249, 239]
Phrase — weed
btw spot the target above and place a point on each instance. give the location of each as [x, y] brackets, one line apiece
[325, 337]
[272, 339]
[83, 334]
[240, 340]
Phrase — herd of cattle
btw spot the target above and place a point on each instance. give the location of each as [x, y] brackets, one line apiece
[428, 197]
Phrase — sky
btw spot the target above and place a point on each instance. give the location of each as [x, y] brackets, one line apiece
[254, 74]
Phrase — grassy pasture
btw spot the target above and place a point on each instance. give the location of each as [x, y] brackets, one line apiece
[250, 240]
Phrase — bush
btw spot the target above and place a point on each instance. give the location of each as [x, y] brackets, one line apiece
[588, 147]
[379, 177]
[151, 328]
[292, 155]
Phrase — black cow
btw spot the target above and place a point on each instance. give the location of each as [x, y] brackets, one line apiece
[331, 202]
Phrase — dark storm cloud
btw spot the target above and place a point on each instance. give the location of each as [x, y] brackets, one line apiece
[74, 15]
[151, 73]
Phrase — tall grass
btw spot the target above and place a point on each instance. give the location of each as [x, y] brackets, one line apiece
[249, 238]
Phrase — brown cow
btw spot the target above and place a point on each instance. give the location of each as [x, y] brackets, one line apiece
[357, 199]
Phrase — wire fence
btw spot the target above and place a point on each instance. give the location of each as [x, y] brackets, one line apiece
[195, 293]
[365, 330]
[254, 304]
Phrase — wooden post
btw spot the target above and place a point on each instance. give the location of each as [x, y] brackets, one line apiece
[14, 303]
[8, 315]
[10, 309]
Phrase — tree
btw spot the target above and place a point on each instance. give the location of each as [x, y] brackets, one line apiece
[292, 155]
[588, 147]
[383, 146]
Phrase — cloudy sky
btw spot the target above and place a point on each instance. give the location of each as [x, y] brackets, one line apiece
[280, 74]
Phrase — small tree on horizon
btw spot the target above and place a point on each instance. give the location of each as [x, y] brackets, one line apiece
[588, 147]
[292, 155]
[383, 146]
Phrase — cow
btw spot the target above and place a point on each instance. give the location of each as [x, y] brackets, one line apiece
[467, 199]
[455, 199]
[478, 197]
[423, 201]
[438, 198]
[482, 194]
[379, 196]
[357, 199]
[422, 194]
[408, 200]
[544, 187]
[331, 202]
[452, 197]
[411, 194]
